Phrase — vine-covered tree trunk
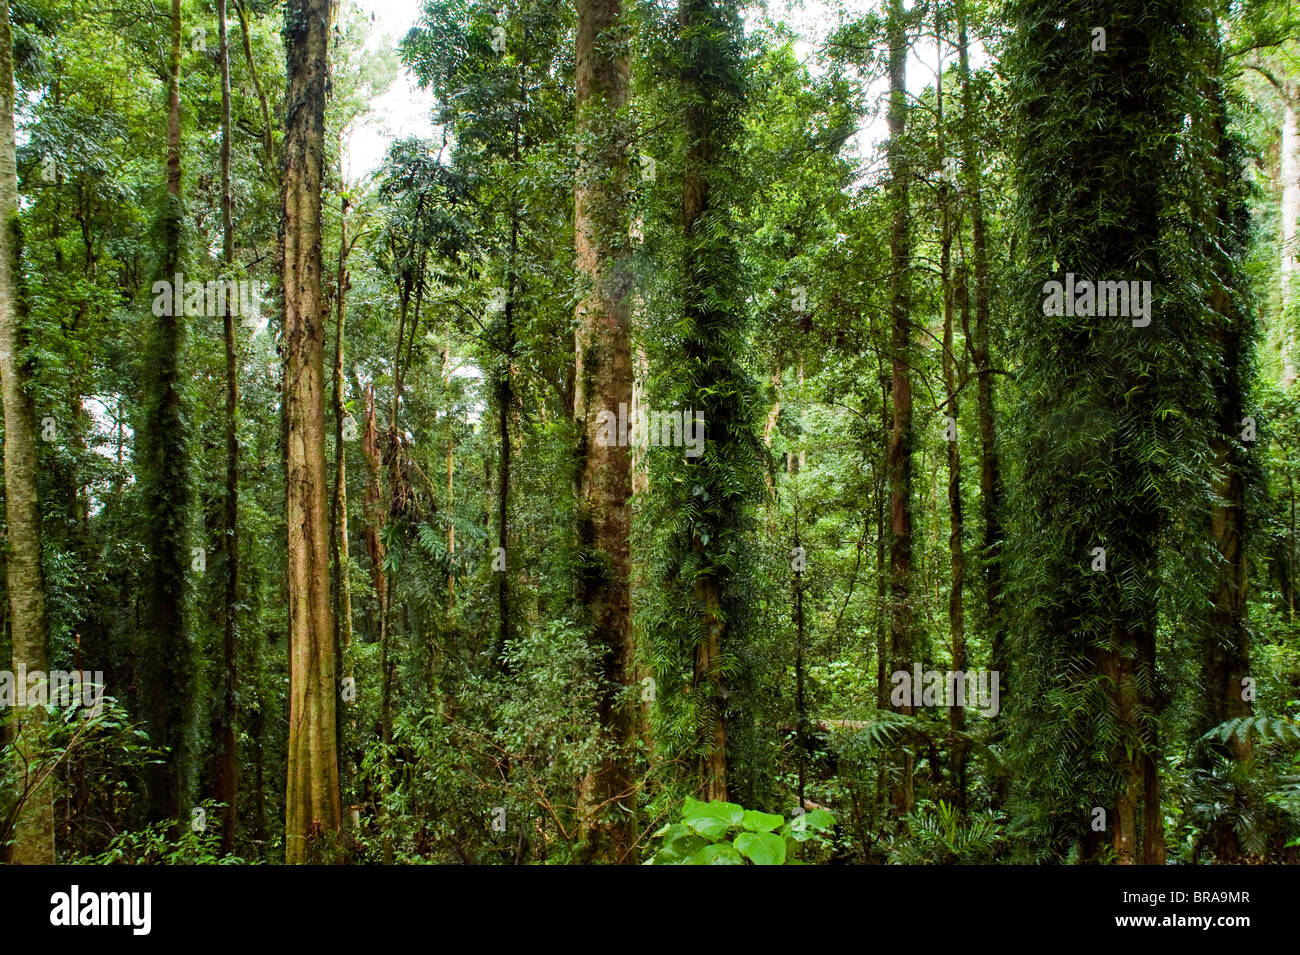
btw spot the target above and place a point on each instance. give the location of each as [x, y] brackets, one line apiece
[1226, 662]
[505, 398]
[956, 547]
[339, 503]
[1094, 500]
[34, 826]
[168, 664]
[312, 803]
[900, 444]
[373, 512]
[710, 80]
[227, 787]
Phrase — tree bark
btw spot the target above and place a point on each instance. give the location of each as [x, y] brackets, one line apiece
[990, 472]
[312, 803]
[603, 380]
[34, 826]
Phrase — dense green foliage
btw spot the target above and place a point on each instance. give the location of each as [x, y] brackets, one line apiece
[471, 699]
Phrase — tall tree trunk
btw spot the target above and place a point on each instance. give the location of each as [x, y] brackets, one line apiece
[374, 513]
[312, 802]
[1094, 498]
[880, 485]
[339, 502]
[169, 656]
[900, 445]
[373, 509]
[956, 550]
[228, 765]
[1227, 646]
[34, 826]
[709, 74]
[505, 401]
[505, 383]
[603, 380]
[451, 495]
[800, 698]
[990, 473]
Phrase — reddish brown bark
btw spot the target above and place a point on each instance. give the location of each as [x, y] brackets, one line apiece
[603, 381]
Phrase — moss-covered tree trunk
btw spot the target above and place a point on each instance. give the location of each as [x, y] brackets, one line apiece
[956, 524]
[1226, 661]
[227, 787]
[713, 310]
[1096, 496]
[342, 584]
[900, 443]
[167, 670]
[34, 826]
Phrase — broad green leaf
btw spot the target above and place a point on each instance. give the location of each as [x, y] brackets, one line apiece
[756, 821]
[679, 844]
[761, 848]
[818, 819]
[720, 853]
[712, 819]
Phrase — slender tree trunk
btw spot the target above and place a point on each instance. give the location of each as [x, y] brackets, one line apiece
[451, 523]
[228, 766]
[505, 401]
[34, 826]
[956, 550]
[267, 146]
[900, 445]
[990, 472]
[880, 484]
[339, 503]
[313, 816]
[451, 495]
[800, 699]
[603, 380]
[374, 511]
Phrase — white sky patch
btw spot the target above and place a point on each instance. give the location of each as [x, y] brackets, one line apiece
[403, 109]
